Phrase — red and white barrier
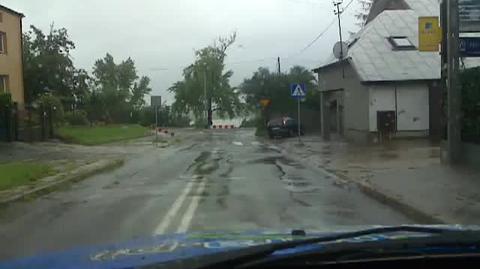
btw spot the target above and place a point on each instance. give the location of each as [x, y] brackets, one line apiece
[160, 130]
[220, 126]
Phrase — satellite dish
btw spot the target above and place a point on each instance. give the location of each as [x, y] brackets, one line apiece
[339, 48]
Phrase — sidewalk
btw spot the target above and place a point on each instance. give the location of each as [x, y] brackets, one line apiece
[406, 174]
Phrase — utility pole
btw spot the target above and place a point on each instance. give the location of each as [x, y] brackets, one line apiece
[453, 89]
[279, 66]
[339, 12]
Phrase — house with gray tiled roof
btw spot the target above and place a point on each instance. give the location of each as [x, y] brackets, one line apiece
[384, 86]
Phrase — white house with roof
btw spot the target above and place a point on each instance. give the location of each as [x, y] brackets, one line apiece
[384, 84]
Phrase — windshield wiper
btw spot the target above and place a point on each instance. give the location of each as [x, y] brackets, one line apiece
[237, 258]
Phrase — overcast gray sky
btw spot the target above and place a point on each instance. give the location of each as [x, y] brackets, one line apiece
[161, 35]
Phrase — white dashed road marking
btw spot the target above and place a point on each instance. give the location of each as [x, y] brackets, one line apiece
[187, 218]
[238, 143]
[162, 227]
[196, 187]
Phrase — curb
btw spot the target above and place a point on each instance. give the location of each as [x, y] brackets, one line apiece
[408, 210]
[66, 178]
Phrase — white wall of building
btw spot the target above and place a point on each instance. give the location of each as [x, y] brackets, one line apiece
[411, 104]
[413, 108]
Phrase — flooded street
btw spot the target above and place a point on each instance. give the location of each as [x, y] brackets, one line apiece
[225, 180]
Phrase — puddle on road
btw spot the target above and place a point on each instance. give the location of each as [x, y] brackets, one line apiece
[267, 149]
[188, 148]
[203, 156]
[299, 201]
[204, 164]
[388, 155]
[297, 184]
[276, 159]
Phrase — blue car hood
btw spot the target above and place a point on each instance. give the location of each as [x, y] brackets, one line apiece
[177, 247]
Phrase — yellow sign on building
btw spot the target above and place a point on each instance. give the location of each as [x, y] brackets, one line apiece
[429, 34]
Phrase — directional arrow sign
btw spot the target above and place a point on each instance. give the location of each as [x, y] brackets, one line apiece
[298, 91]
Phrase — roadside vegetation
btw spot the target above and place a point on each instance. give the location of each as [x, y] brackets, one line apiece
[22, 173]
[101, 105]
[96, 135]
[274, 87]
[470, 83]
[206, 85]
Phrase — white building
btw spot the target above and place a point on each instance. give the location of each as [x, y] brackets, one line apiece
[384, 82]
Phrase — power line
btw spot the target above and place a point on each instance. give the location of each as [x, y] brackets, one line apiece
[252, 61]
[318, 37]
[324, 30]
[290, 56]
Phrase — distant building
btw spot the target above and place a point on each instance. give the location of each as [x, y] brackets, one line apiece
[11, 62]
[384, 84]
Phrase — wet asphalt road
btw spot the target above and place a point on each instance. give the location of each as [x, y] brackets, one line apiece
[220, 180]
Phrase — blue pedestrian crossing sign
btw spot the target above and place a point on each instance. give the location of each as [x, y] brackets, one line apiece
[298, 91]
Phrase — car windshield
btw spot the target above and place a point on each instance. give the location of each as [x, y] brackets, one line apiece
[125, 120]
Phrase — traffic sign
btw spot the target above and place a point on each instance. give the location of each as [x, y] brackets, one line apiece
[265, 102]
[470, 46]
[298, 91]
[469, 12]
[156, 101]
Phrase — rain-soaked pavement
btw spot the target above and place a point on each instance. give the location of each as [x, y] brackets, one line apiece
[219, 180]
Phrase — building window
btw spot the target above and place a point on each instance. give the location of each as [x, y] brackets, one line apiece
[3, 84]
[1, 17]
[401, 43]
[3, 43]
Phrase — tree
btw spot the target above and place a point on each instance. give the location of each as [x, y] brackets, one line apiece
[208, 69]
[49, 68]
[117, 94]
[275, 87]
[140, 89]
[362, 13]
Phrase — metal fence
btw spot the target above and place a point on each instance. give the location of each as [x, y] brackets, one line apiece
[29, 124]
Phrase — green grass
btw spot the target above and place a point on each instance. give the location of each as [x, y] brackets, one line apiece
[97, 135]
[21, 173]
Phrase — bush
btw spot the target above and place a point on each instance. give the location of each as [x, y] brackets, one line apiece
[78, 117]
[53, 103]
[261, 127]
[470, 83]
[249, 123]
[147, 117]
[200, 123]
[165, 117]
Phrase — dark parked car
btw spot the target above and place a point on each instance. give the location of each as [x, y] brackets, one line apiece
[283, 127]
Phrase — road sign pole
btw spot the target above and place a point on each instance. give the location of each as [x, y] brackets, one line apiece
[156, 123]
[299, 121]
[298, 91]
